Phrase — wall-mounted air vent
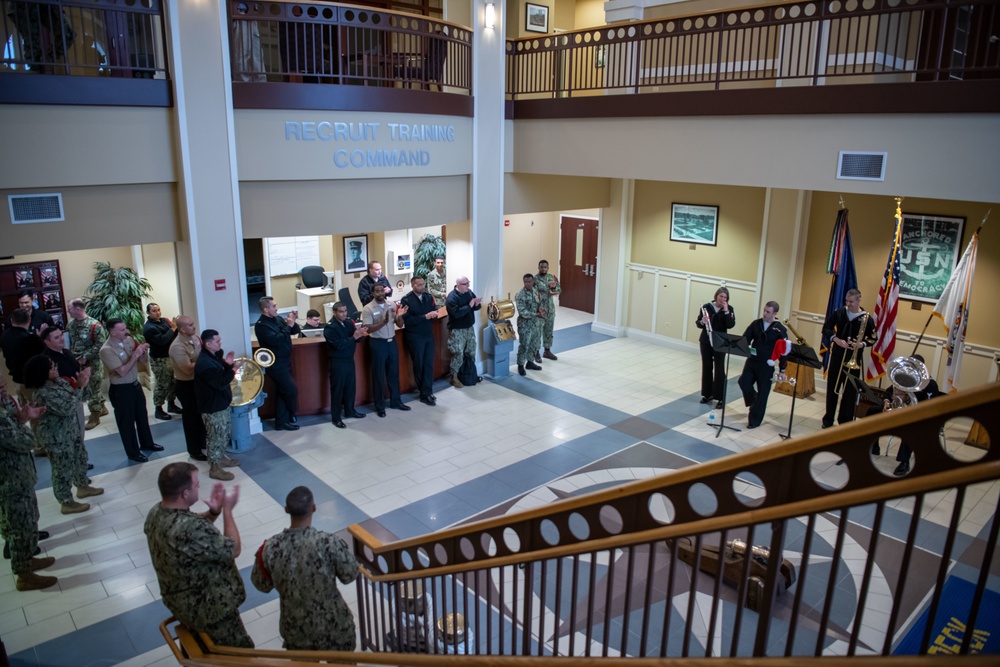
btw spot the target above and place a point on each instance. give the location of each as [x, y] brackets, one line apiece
[861, 166]
[26, 209]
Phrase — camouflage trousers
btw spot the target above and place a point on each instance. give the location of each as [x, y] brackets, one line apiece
[461, 344]
[548, 322]
[164, 388]
[529, 334]
[19, 522]
[94, 395]
[69, 469]
[219, 430]
[229, 630]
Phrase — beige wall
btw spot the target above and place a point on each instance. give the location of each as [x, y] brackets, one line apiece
[791, 152]
[524, 193]
[118, 145]
[96, 217]
[351, 207]
[741, 212]
[589, 13]
[159, 266]
[529, 238]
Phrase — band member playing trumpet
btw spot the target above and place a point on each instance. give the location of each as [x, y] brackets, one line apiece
[714, 316]
[847, 342]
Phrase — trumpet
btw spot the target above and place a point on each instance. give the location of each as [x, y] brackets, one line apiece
[799, 340]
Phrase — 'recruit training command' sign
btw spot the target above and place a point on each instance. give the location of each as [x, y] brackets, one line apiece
[928, 254]
[372, 145]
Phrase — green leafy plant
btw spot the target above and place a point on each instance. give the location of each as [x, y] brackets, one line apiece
[118, 293]
[427, 249]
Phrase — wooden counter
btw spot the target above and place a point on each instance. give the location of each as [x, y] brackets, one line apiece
[311, 371]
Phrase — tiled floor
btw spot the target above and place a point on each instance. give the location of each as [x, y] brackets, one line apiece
[607, 410]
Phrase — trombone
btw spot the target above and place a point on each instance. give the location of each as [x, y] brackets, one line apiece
[852, 362]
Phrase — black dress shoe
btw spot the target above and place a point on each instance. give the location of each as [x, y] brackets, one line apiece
[198, 457]
[339, 424]
[720, 405]
[380, 413]
[901, 470]
[402, 406]
[356, 415]
[288, 427]
[43, 534]
[160, 414]
[705, 399]
[427, 400]
[433, 397]
[138, 458]
[174, 409]
[875, 450]
[153, 448]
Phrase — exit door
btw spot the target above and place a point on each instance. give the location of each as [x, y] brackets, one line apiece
[578, 263]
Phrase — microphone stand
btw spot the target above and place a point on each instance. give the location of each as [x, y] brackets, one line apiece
[730, 344]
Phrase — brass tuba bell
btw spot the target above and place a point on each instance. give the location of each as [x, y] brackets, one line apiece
[908, 376]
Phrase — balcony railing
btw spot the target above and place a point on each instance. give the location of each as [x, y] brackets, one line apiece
[810, 43]
[345, 45]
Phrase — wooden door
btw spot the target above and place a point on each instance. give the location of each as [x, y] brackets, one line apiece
[578, 263]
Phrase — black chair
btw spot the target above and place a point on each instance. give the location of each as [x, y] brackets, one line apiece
[312, 276]
[431, 67]
[344, 296]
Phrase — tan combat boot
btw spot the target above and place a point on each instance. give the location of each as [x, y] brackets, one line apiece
[87, 491]
[455, 382]
[229, 462]
[73, 507]
[216, 472]
[93, 421]
[29, 581]
[104, 410]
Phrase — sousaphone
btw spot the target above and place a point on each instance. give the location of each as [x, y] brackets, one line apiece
[249, 379]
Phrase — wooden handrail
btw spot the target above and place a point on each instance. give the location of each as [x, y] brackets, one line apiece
[835, 440]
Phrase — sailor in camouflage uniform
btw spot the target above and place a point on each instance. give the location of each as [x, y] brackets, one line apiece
[548, 287]
[195, 564]
[58, 429]
[529, 324]
[437, 282]
[86, 336]
[303, 563]
[18, 503]
[160, 332]
[212, 375]
[462, 304]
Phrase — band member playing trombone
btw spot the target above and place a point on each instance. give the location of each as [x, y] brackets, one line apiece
[763, 335]
[849, 330]
[714, 316]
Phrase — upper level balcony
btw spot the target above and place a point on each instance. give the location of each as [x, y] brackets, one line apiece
[809, 56]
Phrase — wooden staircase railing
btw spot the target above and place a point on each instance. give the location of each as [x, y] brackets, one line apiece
[627, 574]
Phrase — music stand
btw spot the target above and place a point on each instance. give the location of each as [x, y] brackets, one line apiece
[729, 344]
[801, 355]
[861, 388]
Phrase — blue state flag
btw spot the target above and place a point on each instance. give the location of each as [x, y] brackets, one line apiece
[841, 265]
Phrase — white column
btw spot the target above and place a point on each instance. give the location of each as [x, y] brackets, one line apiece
[487, 177]
[208, 186]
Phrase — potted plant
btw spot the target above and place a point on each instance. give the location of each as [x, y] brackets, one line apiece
[118, 293]
[427, 249]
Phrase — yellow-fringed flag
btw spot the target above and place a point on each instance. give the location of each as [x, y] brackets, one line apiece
[953, 311]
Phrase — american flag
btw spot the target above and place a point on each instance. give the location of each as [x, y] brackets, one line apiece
[885, 308]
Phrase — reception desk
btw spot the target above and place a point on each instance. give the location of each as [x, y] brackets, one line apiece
[311, 371]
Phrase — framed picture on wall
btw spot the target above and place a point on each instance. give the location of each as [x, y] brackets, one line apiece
[355, 253]
[928, 254]
[693, 223]
[536, 18]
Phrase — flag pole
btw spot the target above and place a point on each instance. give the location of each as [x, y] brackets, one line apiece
[930, 317]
